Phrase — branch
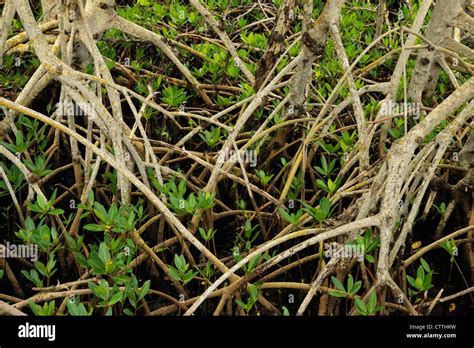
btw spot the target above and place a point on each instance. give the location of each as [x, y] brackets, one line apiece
[142, 33]
[5, 308]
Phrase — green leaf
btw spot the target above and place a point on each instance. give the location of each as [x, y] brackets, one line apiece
[128, 312]
[350, 283]
[182, 187]
[93, 227]
[76, 309]
[419, 283]
[337, 283]
[356, 287]
[253, 263]
[336, 293]
[33, 277]
[56, 212]
[322, 184]
[325, 206]
[104, 253]
[115, 298]
[320, 170]
[132, 297]
[427, 281]
[41, 202]
[319, 215]
[30, 225]
[144, 290]
[100, 212]
[174, 273]
[103, 289]
[411, 281]
[97, 266]
[188, 276]
[324, 164]
[372, 302]
[90, 197]
[41, 268]
[51, 263]
[420, 273]
[332, 186]
[360, 306]
[284, 214]
[425, 265]
[241, 304]
[179, 262]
